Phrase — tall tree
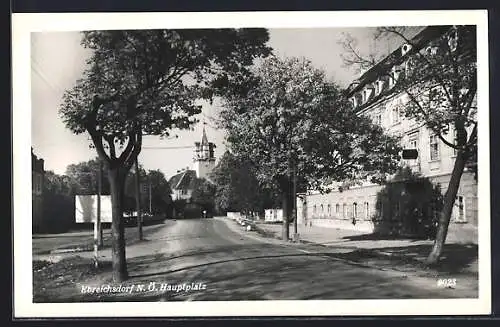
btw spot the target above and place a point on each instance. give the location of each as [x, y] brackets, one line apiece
[148, 82]
[290, 117]
[237, 186]
[161, 199]
[439, 80]
[84, 175]
[203, 195]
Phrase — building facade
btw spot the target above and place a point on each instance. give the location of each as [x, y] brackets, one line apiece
[37, 177]
[371, 95]
[182, 184]
[204, 159]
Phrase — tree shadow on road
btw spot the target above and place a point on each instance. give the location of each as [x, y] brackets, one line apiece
[380, 237]
[456, 258]
[238, 273]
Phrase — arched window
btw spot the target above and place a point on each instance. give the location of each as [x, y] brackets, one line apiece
[337, 208]
[344, 210]
[355, 210]
[367, 211]
[329, 209]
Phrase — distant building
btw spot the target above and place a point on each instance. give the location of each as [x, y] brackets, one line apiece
[371, 95]
[182, 184]
[273, 215]
[204, 159]
[37, 177]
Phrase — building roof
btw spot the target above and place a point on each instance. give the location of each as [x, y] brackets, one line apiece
[183, 180]
[204, 139]
[395, 58]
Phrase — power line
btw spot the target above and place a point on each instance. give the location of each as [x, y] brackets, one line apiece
[167, 147]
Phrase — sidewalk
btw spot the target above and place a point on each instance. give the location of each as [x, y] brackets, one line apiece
[457, 258]
[342, 237]
[79, 244]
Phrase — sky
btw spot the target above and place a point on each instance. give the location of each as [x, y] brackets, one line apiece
[58, 60]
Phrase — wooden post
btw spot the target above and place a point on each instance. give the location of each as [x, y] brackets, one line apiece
[96, 244]
[138, 198]
[99, 192]
[295, 225]
[150, 201]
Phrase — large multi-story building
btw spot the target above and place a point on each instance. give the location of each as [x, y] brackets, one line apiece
[37, 176]
[372, 95]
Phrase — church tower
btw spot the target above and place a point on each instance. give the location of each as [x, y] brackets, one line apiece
[204, 159]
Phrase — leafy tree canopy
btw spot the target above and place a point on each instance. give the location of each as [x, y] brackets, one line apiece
[149, 81]
[291, 116]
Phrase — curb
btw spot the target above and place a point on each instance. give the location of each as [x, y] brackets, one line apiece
[256, 235]
[378, 253]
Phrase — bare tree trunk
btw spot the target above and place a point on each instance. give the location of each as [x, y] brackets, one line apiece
[449, 201]
[116, 181]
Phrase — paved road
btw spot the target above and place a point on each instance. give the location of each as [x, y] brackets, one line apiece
[227, 265]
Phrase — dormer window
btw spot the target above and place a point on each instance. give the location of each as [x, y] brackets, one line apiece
[367, 93]
[380, 86]
[395, 72]
[358, 99]
[431, 50]
[405, 49]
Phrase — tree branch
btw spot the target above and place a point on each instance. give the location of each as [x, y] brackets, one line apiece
[129, 161]
[128, 149]
[451, 145]
[112, 152]
[471, 94]
[433, 74]
[473, 137]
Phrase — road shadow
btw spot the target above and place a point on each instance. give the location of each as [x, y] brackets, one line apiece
[381, 237]
[455, 259]
[256, 272]
[285, 276]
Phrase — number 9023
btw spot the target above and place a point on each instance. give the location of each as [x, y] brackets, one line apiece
[447, 282]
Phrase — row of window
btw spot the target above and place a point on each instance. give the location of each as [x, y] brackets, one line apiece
[320, 210]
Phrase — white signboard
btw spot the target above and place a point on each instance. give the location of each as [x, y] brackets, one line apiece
[86, 208]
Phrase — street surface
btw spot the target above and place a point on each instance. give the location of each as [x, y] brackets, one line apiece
[220, 262]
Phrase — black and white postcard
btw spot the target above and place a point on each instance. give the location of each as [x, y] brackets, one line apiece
[251, 164]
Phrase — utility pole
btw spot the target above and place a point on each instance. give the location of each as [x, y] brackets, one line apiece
[149, 180]
[295, 233]
[138, 199]
[99, 193]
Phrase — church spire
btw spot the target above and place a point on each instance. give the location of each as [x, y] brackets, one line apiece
[204, 139]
